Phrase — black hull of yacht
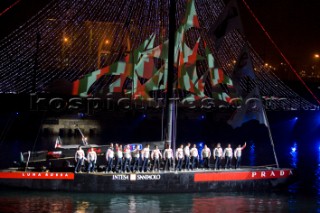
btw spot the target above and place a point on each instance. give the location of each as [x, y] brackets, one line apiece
[151, 182]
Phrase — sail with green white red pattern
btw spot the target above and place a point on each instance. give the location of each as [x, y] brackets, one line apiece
[145, 77]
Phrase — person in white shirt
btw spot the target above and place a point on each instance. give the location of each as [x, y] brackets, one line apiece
[205, 156]
[179, 157]
[228, 156]
[238, 154]
[119, 156]
[217, 155]
[156, 156]
[168, 157]
[127, 159]
[186, 152]
[109, 158]
[145, 154]
[92, 160]
[136, 159]
[79, 157]
[194, 157]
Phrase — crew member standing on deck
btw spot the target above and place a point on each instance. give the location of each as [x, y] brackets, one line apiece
[109, 157]
[238, 154]
[145, 154]
[205, 156]
[92, 160]
[228, 156]
[79, 157]
[194, 157]
[179, 157]
[155, 156]
[136, 159]
[217, 155]
[168, 158]
[119, 156]
[186, 151]
[127, 159]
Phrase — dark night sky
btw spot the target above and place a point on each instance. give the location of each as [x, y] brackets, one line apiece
[18, 14]
[293, 24]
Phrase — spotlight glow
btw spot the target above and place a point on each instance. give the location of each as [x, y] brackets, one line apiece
[294, 148]
[294, 155]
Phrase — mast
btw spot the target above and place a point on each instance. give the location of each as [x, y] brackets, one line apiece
[170, 102]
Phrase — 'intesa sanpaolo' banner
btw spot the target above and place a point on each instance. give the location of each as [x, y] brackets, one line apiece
[37, 175]
[242, 175]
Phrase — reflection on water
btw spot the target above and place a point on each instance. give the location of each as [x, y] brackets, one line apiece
[26, 202]
[16, 201]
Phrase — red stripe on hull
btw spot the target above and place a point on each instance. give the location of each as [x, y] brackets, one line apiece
[240, 176]
[37, 175]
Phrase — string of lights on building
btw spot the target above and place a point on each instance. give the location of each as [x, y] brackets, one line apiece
[70, 38]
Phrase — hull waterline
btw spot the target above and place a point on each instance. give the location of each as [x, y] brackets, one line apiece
[151, 182]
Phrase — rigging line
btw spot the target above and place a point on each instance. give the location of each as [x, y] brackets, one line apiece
[10, 7]
[280, 52]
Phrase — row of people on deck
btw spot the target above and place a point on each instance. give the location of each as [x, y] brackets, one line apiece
[121, 159]
[227, 154]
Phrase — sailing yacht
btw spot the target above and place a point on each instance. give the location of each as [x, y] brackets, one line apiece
[169, 70]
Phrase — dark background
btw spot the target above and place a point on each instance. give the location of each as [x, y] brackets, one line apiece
[293, 24]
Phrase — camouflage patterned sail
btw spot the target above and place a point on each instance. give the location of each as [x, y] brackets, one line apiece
[139, 64]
